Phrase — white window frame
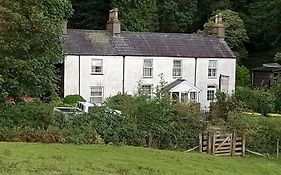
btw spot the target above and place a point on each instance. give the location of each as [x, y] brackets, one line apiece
[92, 95]
[211, 89]
[144, 91]
[94, 67]
[176, 68]
[212, 69]
[191, 97]
[148, 67]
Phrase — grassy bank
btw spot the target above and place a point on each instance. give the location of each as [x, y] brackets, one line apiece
[22, 158]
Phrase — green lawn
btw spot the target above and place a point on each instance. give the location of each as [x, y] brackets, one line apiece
[22, 158]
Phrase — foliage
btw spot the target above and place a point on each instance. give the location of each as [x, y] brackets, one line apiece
[123, 102]
[261, 133]
[262, 23]
[72, 99]
[258, 100]
[30, 45]
[275, 89]
[277, 57]
[176, 15]
[243, 77]
[89, 14]
[236, 34]
[137, 15]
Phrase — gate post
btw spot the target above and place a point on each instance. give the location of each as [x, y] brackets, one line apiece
[233, 144]
[209, 146]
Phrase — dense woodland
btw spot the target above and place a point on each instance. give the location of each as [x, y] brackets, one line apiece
[254, 24]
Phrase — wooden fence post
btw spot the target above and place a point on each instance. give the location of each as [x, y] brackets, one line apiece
[209, 146]
[213, 143]
[243, 144]
[233, 144]
[201, 143]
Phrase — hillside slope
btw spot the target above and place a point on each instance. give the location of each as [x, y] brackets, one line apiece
[22, 158]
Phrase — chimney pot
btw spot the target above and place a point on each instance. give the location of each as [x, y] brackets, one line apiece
[220, 28]
[113, 23]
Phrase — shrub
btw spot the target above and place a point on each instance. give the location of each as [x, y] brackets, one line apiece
[261, 132]
[259, 100]
[72, 99]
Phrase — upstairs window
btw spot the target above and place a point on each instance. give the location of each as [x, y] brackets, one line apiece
[212, 69]
[177, 68]
[96, 95]
[147, 68]
[97, 66]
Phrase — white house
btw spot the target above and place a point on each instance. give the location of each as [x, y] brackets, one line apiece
[101, 63]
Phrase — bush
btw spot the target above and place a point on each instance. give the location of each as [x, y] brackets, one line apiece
[259, 100]
[72, 99]
[261, 132]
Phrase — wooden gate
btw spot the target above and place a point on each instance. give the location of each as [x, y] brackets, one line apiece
[222, 144]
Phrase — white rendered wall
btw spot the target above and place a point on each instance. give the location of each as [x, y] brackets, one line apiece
[71, 75]
[225, 66]
[112, 76]
[111, 79]
[161, 65]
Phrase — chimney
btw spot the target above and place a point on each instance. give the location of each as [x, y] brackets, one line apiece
[113, 23]
[64, 28]
[221, 28]
[215, 26]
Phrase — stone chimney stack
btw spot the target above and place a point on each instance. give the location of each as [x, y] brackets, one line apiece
[221, 28]
[113, 23]
[215, 26]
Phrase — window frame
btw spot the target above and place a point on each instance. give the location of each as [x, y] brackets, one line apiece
[151, 89]
[177, 68]
[211, 88]
[97, 96]
[145, 67]
[92, 66]
[195, 95]
[212, 70]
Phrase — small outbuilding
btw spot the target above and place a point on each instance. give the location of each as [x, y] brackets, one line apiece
[266, 75]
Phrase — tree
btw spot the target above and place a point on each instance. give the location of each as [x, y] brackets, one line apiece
[89, 14]
[176, 15]
[137, 15]
[243, 77]
[236, 34]
[263, 24]
[31, 44]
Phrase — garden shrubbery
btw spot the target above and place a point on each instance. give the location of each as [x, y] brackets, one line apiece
[150, 122]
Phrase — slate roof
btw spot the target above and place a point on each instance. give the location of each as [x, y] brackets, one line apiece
[174, 84]
[269, 67]
[102, 43]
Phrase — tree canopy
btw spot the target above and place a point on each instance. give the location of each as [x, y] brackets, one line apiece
[30, 45]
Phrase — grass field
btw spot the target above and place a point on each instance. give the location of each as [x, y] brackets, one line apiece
[22, 158]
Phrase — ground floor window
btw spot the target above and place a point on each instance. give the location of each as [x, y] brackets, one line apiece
[211, 90]
[96, 94]
[147, 89]
[193, 96]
